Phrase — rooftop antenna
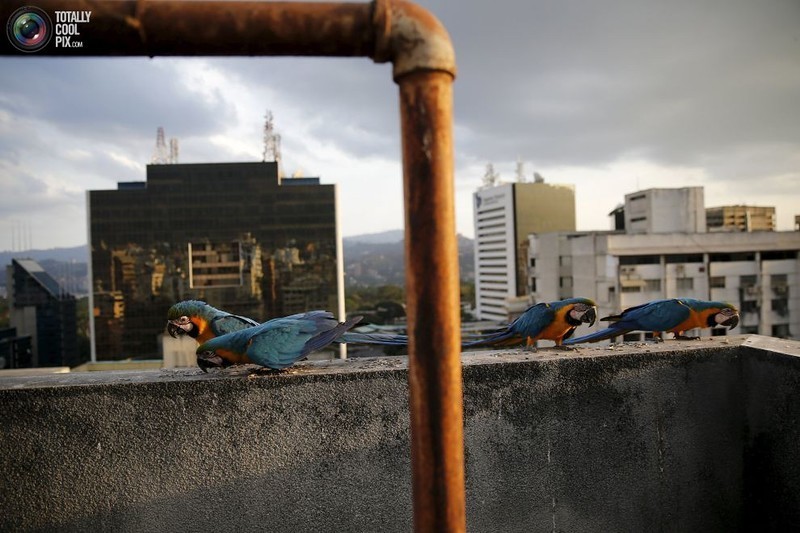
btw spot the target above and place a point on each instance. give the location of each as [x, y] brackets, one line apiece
[538, 178]
[520, 171]
[173, 151]
[160, 154]
[272, 142]
[490, 177]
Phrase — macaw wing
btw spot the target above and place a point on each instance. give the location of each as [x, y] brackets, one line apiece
[660, 315]
[533, 320]
[223, 324]
[281, 342]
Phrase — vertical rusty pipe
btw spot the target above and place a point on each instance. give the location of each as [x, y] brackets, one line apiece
[432, 299]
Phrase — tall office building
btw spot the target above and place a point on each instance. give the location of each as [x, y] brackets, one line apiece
[504, 217]
[233, 234]
[40, 309]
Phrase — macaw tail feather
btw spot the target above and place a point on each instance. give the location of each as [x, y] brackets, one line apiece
[504, 337]
[597, 336]
[373, 338]
[327, 337]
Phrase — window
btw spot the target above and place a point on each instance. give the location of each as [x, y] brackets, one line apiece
[717, 282]
[749, 306]
[652, 285]
[565, 282]
[565, 260]
[749, 330]
[638, 219]
[719, 332]
[685, 284]
[746, 281]
[781, 331]
[632, 288]
[533, 284]
[533, 262]
[684, 258]
[640, 260]
[780, 306]
[631, 337]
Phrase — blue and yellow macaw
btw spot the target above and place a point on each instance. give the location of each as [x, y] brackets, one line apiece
[553, 321]
[203, 322]
[676, 315]
[275, 344]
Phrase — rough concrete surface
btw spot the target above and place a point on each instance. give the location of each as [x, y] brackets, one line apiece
[694, 436]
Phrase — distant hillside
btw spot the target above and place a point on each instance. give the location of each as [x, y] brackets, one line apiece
[384, 237]
[78, 254]
[375, 260]
[68, 266]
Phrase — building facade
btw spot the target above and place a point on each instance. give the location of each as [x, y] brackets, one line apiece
[655, 210]
[740, 218]
[757, 272]
[233, 234]
[41, 310]
[504, 216]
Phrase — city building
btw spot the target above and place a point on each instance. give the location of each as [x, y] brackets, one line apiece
[654, 211]
[740, 218]
[40, 309]
[504, 216]
[235, 235]
[758, 272]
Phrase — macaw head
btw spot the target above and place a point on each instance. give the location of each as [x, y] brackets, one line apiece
[583, 311]
[187, 317]
[727, 316]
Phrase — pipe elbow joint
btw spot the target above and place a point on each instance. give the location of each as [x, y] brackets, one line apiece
[412, 38]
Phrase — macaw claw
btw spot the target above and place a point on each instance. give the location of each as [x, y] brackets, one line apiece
[212, 360]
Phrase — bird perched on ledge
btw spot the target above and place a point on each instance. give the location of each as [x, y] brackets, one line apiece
[203, 322]
[275, 344]
[553, 321]
[676, 315]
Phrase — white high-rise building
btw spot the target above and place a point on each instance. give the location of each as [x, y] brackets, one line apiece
[504, 217]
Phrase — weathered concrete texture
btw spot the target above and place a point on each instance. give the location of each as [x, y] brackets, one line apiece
[697, 436]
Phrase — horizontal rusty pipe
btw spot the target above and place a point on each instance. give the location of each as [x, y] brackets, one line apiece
[424, 67]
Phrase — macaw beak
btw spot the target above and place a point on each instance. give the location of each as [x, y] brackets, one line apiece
[209, 360]
[589, 316]
[174, 330]
[731, 322]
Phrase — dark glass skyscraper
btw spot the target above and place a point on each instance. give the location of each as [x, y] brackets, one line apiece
[41, 309]
[233, 234]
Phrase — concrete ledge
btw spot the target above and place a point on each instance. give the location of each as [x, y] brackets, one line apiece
[681, 436]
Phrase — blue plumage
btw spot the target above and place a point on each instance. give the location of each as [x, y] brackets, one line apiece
[551, 321]
[277, 343]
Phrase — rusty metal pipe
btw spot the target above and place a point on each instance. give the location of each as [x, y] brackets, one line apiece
[432, 301]
[424, 67]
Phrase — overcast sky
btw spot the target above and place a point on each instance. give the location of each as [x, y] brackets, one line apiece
[611, 97]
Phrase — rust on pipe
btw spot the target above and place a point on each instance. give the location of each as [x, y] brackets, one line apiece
[432, 301]
[424, 67]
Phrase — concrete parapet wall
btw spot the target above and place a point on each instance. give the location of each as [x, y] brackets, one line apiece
[696, 436]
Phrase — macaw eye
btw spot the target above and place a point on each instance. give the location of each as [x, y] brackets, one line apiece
[184, 320]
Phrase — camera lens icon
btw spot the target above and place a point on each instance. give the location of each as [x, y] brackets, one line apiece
[29, 29]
